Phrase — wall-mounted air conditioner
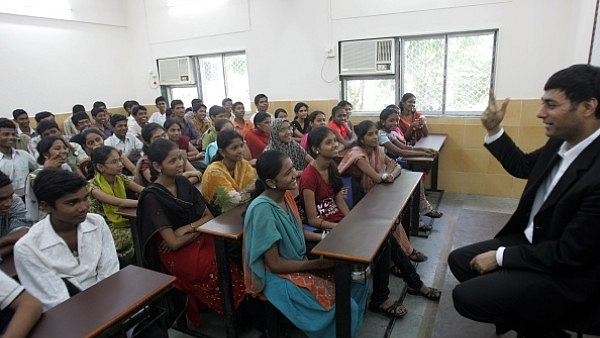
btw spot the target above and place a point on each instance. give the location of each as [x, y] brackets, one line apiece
[367, 57]
[177, 71]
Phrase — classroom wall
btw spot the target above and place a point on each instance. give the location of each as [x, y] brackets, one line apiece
[107, 50]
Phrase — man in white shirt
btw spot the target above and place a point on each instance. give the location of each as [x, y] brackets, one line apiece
[122, 140]
[161, 115]
[140, 117]
[15, 163]
[542, 270]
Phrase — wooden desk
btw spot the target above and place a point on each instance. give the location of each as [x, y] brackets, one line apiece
[227, 226]
[358, 236]
[8, 266]
[435, 142]
[104, 305]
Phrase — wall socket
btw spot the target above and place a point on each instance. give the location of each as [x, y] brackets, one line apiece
[330, 52]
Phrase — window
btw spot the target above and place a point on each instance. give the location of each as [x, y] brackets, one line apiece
[450, 75]
[219, 76]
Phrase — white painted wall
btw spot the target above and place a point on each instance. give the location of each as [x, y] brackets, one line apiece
[108, 52]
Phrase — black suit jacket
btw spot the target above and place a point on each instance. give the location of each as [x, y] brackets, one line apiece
[566, 235]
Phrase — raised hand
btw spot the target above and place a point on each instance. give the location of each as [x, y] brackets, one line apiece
[492, 116]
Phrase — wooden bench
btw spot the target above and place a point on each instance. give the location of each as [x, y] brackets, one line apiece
[435, 142]
[358, 236]
[106, 306]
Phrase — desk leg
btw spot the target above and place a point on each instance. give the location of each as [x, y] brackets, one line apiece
[415, 201]
[434, 174]
[226, 292]
[342, 299]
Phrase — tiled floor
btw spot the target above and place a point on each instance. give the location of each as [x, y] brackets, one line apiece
[467, 218]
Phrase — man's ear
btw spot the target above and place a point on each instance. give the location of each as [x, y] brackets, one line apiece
[590, 106]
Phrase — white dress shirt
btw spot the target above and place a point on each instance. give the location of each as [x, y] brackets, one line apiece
[131, 142]
[9, 290]
[17, 167]
[42, 259]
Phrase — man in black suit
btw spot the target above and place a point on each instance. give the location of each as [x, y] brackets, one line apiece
[542, 270]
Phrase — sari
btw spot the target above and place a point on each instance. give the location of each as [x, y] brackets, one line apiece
[405, 121]
[194, 265]
[267, 224]
[377, 161]
[118, 225]
[291, 149]
[224, 192]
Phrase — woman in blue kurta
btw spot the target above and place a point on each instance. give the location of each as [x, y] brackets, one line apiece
[274, 255]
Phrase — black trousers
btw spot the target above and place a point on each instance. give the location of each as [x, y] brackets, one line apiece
[512, 297]
[391, 250]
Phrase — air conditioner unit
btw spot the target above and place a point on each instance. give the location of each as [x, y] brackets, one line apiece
[367, 57]
[178, 71]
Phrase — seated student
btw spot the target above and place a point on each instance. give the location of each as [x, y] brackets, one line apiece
[108, 192]
[128, 106]
[212, 148]
[375, 167]
[280, 113]
[227, 104]
[101, 121]
[92, 139]
[281, 140]
[53, 152]
[186, 127]
[183, 142]
[39, 117]
[210, 135]
[22, 120]
[315, 119]
[240, 124]
[338, 122]
[144, 174]
[14, 222]
[68, 247]
[122, 140]
[199, 122]
[159, 116]
[348, 109]
[392, 139]
[81, 121]
[69, 128]
[229, 179]
[102, 106]
[322, 197]
[275, 255]
[171, 210]
[189, 113]
[20, 310]
[140, 118]
[257, 138]
[412, 122]
[15, 163]
[300, 125]
[75, 157]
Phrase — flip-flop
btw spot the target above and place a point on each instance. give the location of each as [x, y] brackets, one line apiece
[434, 214]
[433, 294]
[391, 311]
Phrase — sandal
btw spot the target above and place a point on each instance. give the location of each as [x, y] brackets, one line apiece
[396, 310]
[396, 272]
[433, 294]
[425, 227]
[417, 256]
[434, 214]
